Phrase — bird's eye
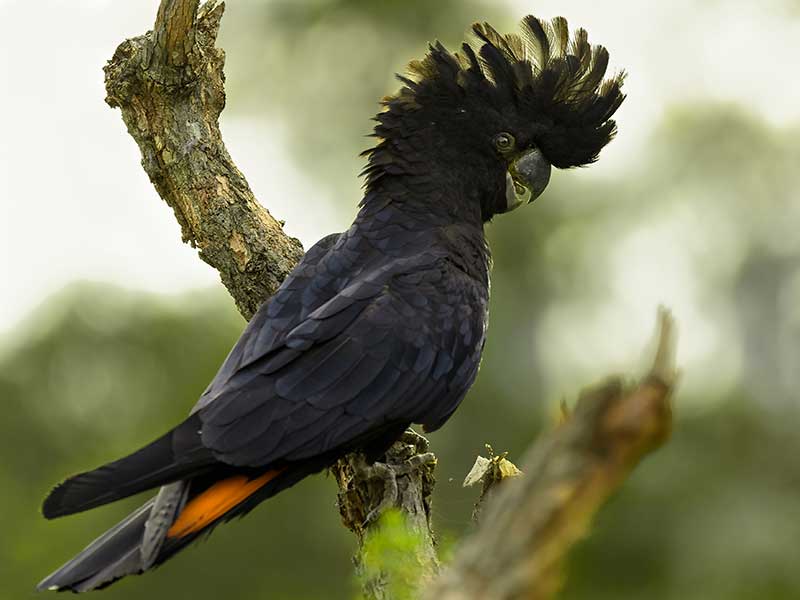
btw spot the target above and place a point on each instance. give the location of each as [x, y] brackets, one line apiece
[504, 142]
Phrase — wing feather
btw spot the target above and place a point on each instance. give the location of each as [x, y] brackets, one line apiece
[384, 349]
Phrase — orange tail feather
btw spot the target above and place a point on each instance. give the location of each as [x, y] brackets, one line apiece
[204, 509]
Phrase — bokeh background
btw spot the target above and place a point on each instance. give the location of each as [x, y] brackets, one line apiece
[110, 327]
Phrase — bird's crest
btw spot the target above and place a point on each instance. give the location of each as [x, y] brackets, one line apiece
[556, 82]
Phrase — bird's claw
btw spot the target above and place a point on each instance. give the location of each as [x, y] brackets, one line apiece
[418, 460]
[388, 475]
[412, 438]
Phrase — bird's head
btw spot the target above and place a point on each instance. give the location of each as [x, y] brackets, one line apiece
[492, 119]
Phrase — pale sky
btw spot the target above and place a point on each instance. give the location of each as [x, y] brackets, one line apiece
[75, 203]
[675, 52]
[74, 200]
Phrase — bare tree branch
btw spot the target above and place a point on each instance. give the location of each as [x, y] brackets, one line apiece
[169, 86]
[174, 32]
[531, 523]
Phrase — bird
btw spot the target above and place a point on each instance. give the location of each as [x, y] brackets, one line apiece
[381, 326]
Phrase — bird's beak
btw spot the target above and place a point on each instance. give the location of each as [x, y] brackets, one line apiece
[526, 179]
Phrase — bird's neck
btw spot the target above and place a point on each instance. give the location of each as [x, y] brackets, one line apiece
[408, 223]
[423, 200]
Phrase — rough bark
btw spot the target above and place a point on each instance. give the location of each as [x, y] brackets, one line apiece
[169, 86]
[532, 521]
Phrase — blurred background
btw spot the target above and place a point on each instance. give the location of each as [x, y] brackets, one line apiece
[110, 327]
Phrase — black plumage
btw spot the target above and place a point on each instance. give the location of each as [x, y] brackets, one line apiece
[380, 326]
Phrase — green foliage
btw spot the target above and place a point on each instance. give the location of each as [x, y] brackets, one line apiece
[390, 558]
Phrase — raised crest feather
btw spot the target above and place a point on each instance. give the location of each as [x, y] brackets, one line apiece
[555, 83]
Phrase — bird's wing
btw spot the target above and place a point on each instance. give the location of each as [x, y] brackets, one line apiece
[400, 344]
[306, 287]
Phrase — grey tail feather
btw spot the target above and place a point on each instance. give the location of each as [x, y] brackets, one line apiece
[114, 554]
[167, 505]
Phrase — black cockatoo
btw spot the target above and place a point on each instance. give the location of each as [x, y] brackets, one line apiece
[378, 327]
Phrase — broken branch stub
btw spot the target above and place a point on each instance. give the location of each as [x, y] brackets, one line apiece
[530, 524]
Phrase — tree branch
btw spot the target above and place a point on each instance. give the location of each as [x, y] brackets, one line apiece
[174, 32]
[403, 480]
[532, 521]
[169, 86]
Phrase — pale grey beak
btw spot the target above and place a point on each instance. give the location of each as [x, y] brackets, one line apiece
[526, 179]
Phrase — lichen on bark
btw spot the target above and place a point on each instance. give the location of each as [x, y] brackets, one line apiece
[169, 86]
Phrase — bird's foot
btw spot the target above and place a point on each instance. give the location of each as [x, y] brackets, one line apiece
[388, 473]
[412, 438]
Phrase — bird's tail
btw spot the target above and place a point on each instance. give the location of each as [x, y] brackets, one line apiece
[181, 513]
[176, 455]
[114, 554]
[198, 492]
